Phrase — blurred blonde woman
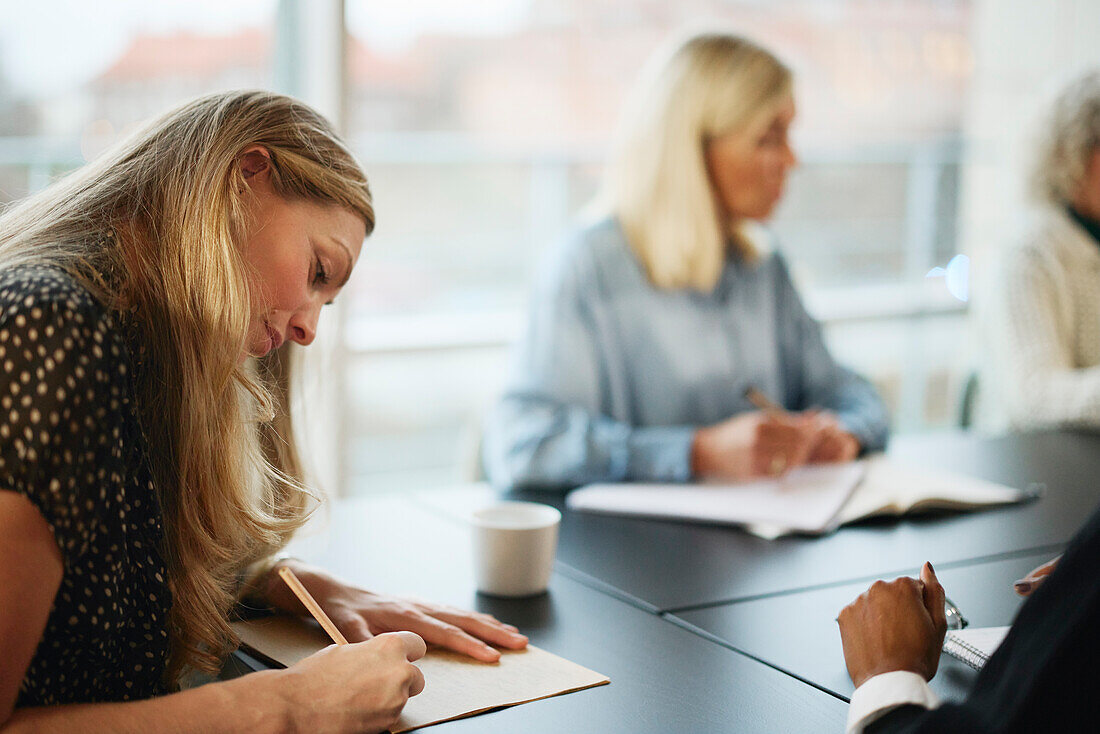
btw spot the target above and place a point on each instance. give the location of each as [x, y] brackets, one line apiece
[150, 304]
[1043, 364]
[649, 325]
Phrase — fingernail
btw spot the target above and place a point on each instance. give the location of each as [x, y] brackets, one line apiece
[930, 566]
[1022, 586]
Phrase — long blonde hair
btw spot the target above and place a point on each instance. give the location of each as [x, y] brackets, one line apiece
[657, 183]
[1068, 133]
[219, 434]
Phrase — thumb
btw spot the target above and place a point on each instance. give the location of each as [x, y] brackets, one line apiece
[415, 647]
[934, 596]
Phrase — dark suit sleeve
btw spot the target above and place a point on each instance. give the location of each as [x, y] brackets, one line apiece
[913, 719]
[1045, 676]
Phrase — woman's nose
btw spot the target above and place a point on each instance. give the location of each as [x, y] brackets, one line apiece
[790, 158]
[303, 325]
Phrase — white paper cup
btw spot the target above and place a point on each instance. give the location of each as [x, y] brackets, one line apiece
[514, 544]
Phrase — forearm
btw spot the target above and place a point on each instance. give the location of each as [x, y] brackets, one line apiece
[1034, 325]
[862, 413]
[817, 381]
[538, 444]
[271, 590]
[1056, 396]
[240, 705]
[855, 403]
[813, 379]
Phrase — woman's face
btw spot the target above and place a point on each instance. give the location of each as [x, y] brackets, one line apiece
[299, 253]
[748, 170]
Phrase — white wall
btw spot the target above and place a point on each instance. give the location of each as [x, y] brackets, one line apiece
[1023, 51]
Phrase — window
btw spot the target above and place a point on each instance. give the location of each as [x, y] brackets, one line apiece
[122, 63]
[483, 128]
[484, 135]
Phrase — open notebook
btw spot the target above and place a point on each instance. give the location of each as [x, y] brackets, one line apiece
[974, 646]
[455, 686]
[812, 500]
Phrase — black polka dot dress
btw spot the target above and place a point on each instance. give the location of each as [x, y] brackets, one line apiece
[71, 443]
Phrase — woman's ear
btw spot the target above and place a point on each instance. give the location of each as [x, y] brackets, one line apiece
[255, 163]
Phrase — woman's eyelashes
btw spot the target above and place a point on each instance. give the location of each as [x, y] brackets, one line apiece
[320, 273]
[321, 276]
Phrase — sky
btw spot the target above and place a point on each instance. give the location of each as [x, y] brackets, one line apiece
[389, 25]
[49, 46]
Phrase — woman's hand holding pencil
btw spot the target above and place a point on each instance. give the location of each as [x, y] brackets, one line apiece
[345, 687]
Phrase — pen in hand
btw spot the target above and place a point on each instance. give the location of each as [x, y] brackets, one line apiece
[311, 605]
[780, 461]
[954, 617]
[762, 403]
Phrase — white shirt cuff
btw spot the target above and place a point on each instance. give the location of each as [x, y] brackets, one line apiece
[881, 694]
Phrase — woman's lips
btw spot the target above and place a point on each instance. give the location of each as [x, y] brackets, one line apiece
[274, 339]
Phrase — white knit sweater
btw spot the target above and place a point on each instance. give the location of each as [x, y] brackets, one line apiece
[1041, 367]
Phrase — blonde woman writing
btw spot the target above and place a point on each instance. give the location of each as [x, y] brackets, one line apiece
[648, 327]
[149, 304]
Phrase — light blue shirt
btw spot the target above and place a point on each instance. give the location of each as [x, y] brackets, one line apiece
[614, 376]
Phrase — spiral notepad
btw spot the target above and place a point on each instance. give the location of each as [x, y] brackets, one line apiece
[974, 646]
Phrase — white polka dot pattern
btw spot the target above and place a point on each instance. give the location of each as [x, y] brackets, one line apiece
[70, 441]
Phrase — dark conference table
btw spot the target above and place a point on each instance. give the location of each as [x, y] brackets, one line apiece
[664, 678]
[706, 628]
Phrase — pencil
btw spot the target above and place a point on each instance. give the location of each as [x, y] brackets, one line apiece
[761, 401]
[311, 605]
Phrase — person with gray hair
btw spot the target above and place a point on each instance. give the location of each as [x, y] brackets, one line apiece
[1043, 323]
[657, 328]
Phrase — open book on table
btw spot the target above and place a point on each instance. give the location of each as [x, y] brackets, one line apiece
[813, 499]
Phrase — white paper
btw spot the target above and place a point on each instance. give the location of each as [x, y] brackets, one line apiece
[891, 487]
[974, 646]
[814, 499]
[807, 499]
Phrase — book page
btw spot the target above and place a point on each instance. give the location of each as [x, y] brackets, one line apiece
[455, 685]
[890, 487]
[807, 499]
